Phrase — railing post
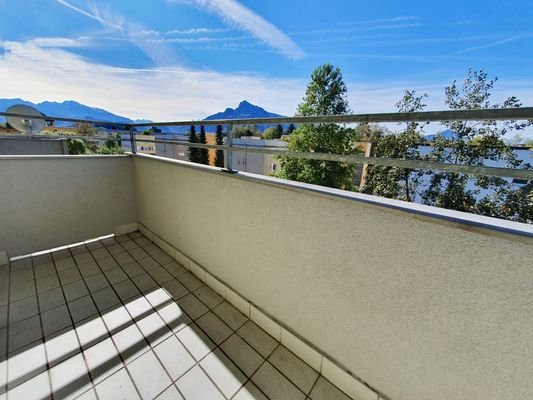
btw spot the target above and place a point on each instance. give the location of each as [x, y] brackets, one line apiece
[132, 141]
[229, 151]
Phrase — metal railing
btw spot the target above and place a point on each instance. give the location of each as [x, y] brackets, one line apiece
[497, 114]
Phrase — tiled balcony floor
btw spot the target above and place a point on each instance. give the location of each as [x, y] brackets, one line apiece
[120, 319]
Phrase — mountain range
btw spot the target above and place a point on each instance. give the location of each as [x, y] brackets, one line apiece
[67, 109]
[73, 109]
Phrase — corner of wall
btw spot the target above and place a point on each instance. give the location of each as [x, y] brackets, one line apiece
[336, 374]
[126, 228]
[4, 259]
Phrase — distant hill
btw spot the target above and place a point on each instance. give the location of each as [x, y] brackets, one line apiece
[447, 134]
[244, 110]
[67, 109]
[73, 109]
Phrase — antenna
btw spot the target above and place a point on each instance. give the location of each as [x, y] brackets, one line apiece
[26, 124]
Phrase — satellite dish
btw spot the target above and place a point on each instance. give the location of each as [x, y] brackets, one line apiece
[26, 124]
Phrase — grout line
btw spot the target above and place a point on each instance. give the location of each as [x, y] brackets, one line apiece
[282, 326]
[313, 385]
[91, 379]
[42, 333]
[154, 309]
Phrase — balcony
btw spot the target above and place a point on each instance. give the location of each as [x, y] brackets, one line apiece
[143, 277]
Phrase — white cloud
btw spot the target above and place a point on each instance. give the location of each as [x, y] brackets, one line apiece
[34, 73]
[94, 16]
[357, 29]
[64, 42]
[37, 73]
[494, 44]
[201, 39]
[151, 43]
[236, 14]
[196, 31]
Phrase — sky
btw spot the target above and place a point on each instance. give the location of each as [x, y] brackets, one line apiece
[186, 59]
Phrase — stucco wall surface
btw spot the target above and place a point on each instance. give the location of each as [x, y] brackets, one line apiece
[416, 307]
[36, 146]
[48, 201]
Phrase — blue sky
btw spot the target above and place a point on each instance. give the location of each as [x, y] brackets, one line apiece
[180, 59]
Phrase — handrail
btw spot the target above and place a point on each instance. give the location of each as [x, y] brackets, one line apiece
[359, 159]
[494, 114]
[500, 114]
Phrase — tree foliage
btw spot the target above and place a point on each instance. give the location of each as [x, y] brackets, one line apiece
[245, 130]
[219, 140]
[203, 154]
[194, 155]
[273, 132]
[82, 147]
[290, 129]
[85, 129]
[474, 143]
[77, 146]
[325, 95]
[392, 182]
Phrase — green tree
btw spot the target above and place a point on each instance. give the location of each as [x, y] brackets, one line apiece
[271, 133]
[245, 130]
[203, 154]
[77, 147]
[325, 95]
[392, 182]
[279, 130]
[85, 129]
[193, 151]
[473, 144]
[110, 147]
[290, 129]
[219, 155]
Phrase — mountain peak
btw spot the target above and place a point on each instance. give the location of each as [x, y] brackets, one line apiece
[245, 109]
[245, 103]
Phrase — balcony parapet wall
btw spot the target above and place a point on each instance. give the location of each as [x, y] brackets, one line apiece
[417, 302]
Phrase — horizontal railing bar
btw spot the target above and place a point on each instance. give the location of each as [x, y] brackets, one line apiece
[60, 137]
[51, 118]
[519, 113]
[522, 113]
[359, 159]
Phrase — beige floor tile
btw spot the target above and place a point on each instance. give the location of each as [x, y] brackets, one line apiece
[69, 378]
[36, 388]
[208, 296]
[298, 372]
[223, 372]
[242, 354]
[174, 357]
[192, 306]
[174, 317]
[250, 392]
[148, 375]
[130, 343]
[170, 394]
[275, 385]
[196, 341]
[102, 360]
[230, 315]
[324, 390]
[196, 385]
[217, 330]
[261, 341]
[118, 386]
